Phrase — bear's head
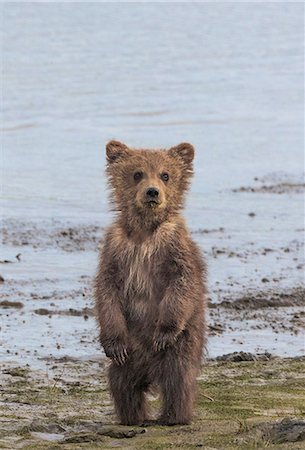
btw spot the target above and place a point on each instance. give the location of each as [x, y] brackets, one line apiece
[149, 184]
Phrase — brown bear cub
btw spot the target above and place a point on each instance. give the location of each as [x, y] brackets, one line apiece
[150, 285]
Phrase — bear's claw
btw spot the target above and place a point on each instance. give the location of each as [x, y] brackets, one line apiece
[118, 353]
[163, 340]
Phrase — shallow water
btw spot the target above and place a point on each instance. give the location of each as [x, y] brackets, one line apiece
[227, 77]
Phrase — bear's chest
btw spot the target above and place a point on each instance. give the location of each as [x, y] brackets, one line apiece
[140, 283]
[140, 271]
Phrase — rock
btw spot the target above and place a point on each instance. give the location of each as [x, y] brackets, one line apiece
[113, 432]
[121, 432]
[53, 437]
[81, 437]
[244, 356]
[287, 430]
[237, 357]
[51, 427]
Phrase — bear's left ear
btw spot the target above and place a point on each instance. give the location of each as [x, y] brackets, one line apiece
[185, 151]
[116, 150]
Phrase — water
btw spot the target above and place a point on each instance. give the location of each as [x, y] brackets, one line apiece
[227, 77]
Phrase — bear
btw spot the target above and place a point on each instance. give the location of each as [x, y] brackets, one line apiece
[150, 287]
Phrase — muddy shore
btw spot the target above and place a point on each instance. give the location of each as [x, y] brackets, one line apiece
[245, 401]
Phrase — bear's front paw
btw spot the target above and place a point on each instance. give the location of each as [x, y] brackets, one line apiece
[118, 352]
[163, 339]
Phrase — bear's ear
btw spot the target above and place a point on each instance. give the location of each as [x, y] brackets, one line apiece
[185, 151]
[115, 150]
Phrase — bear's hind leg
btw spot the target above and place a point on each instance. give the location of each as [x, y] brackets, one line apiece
[128, 391]
[178, 387]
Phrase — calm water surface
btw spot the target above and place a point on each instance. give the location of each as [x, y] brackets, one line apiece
[227, 77]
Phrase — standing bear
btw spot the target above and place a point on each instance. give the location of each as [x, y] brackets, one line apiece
[150, 291]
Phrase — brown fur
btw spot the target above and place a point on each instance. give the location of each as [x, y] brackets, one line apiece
[150, 286]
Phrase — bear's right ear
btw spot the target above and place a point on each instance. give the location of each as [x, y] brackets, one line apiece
[115, 150]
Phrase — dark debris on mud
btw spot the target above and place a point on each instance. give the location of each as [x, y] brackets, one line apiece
[56, 234]
[280, 188]
[266, 299]
[85, 312]
[51, 234]
[6, 304]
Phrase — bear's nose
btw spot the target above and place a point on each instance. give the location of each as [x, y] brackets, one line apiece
[152, 192]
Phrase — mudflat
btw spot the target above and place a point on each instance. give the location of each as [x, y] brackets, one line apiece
[245, 401]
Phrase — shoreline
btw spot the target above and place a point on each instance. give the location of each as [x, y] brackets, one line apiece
[46, 300]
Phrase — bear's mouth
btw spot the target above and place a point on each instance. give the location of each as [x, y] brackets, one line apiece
[152, 203]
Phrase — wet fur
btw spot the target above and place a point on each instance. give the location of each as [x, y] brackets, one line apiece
[150, 287]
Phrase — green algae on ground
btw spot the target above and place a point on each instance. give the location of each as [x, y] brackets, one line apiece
[71, 408]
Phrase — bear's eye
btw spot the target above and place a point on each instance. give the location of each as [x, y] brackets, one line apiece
[165, 176]
[138, 176]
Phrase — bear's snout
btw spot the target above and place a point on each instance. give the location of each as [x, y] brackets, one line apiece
[152, 193]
